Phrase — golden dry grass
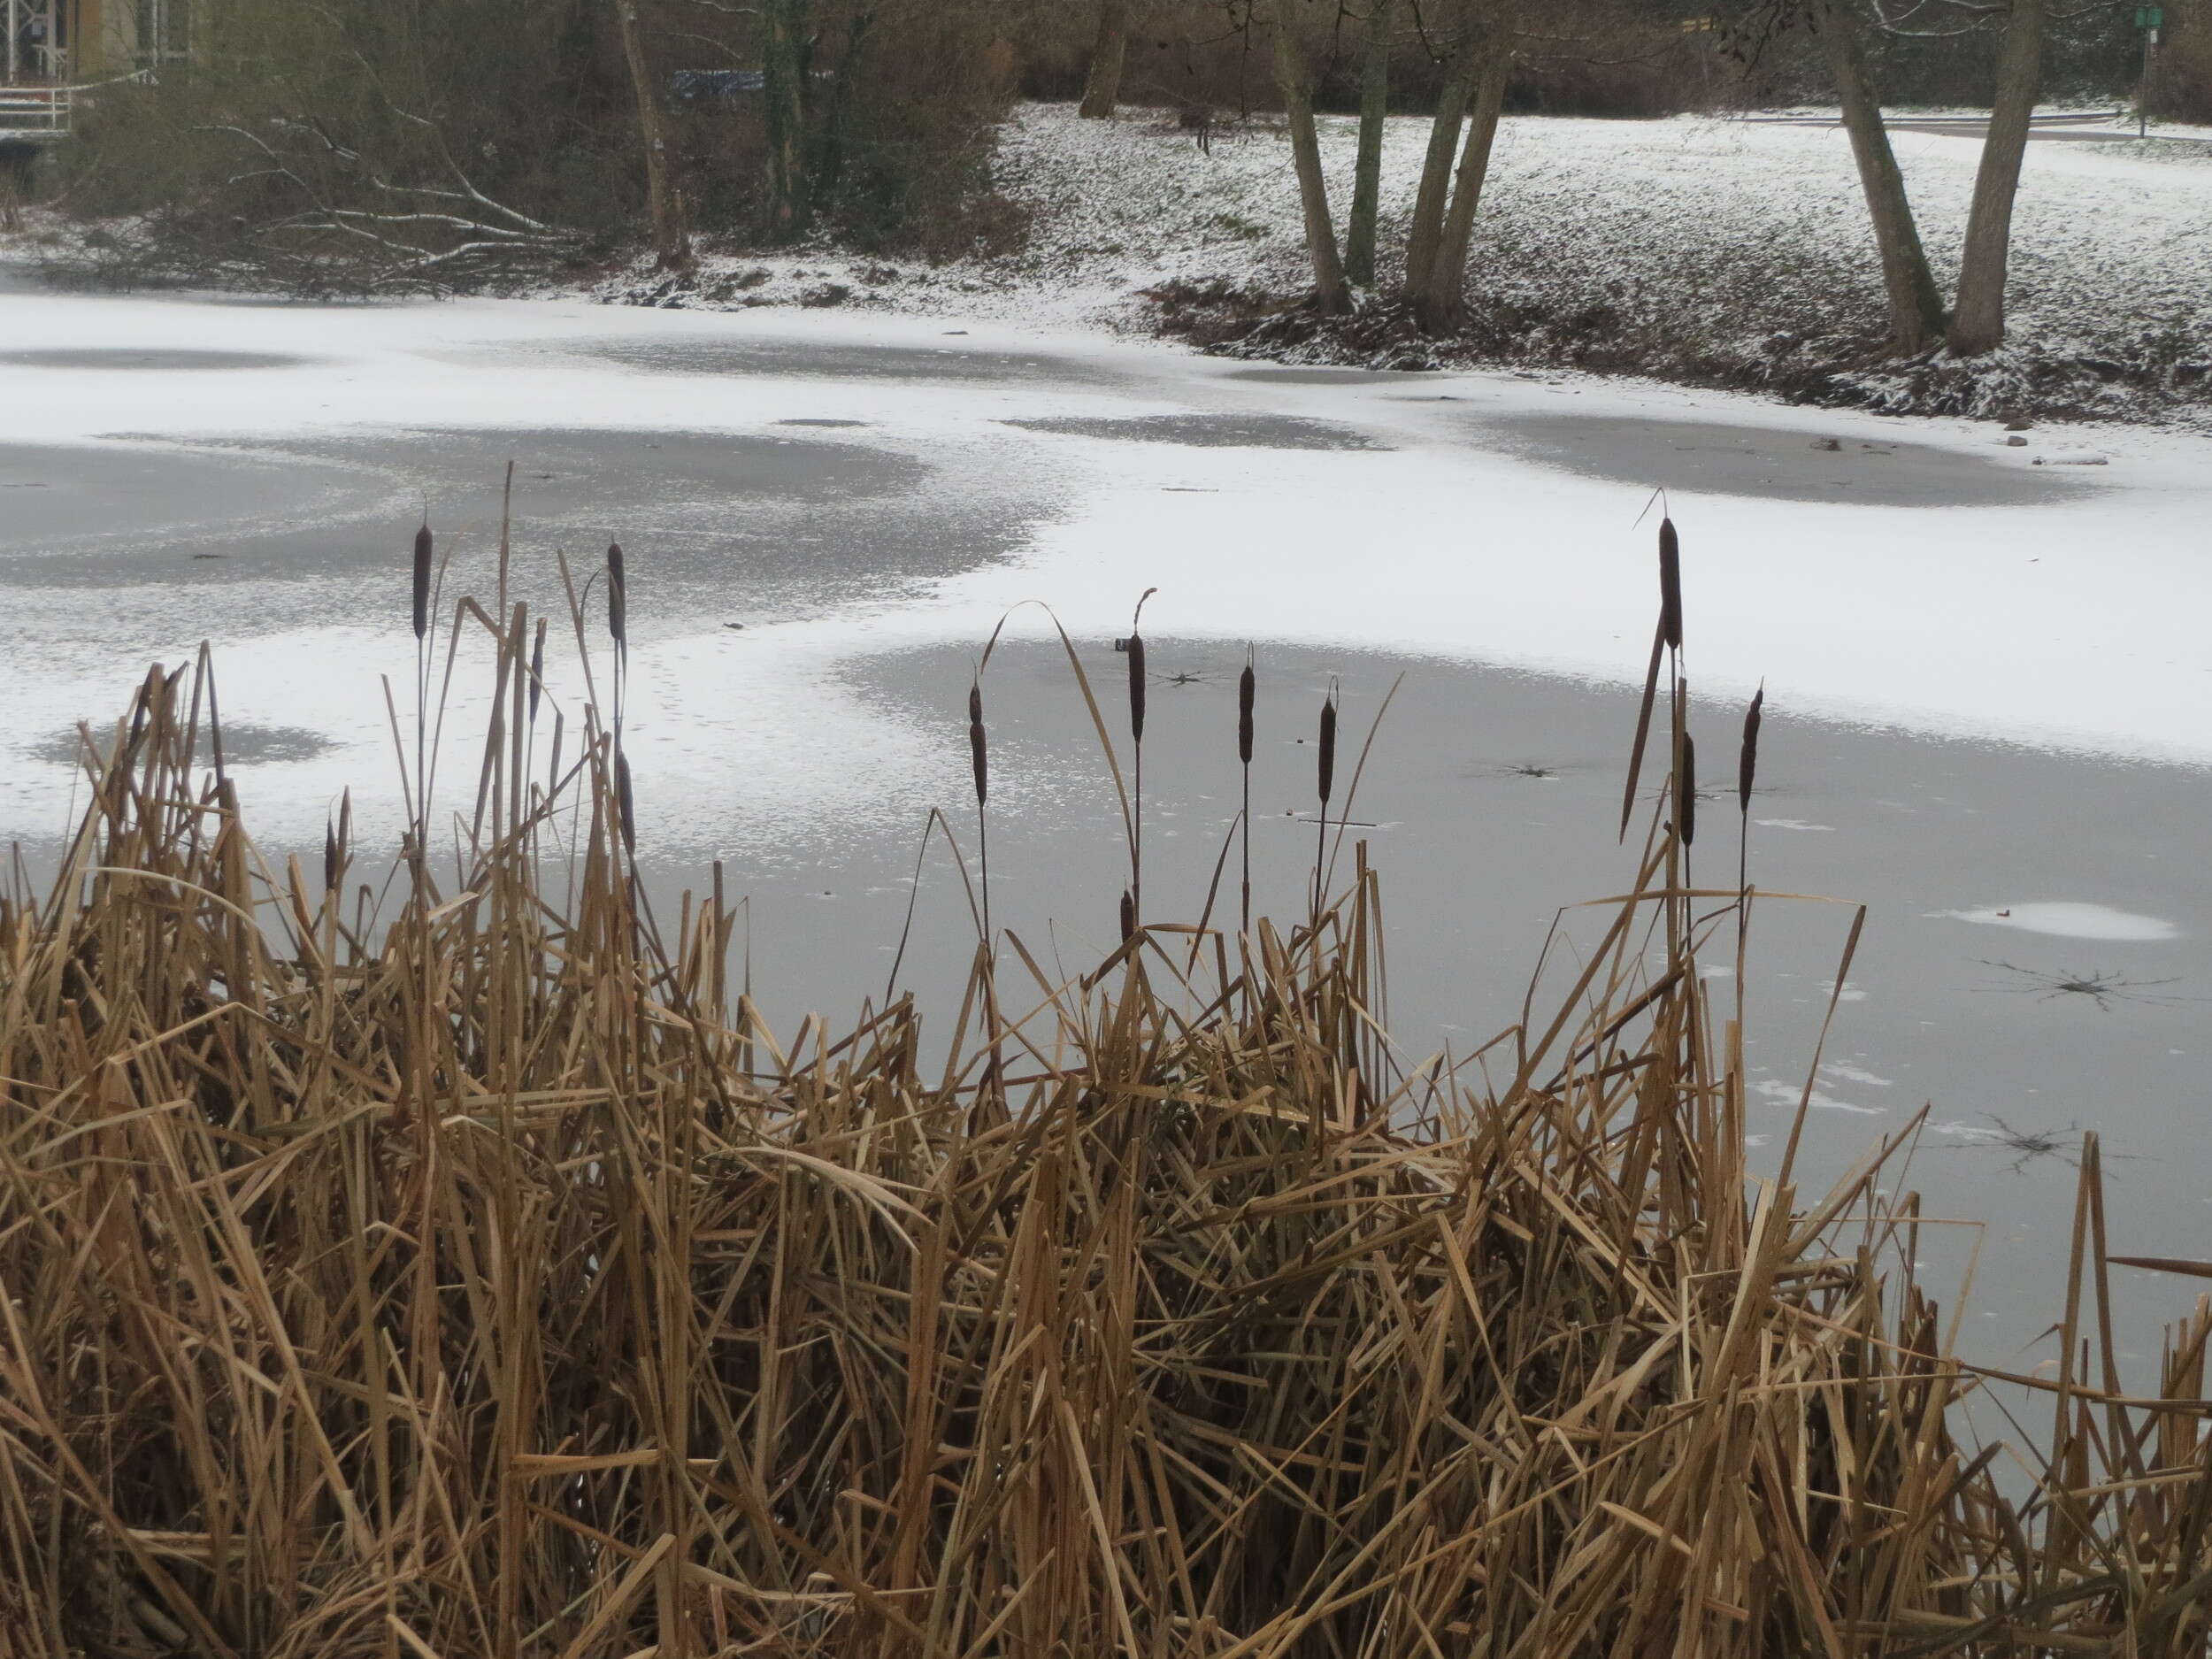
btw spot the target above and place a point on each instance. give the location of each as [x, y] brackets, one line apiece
[488, 1280]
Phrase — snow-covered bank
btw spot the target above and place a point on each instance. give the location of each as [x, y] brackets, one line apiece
[1707, 250]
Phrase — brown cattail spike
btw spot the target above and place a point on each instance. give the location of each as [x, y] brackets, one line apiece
[1747, 764]
[1328, 749]
[1128, 916]
[1247, 689]
[1686, 792]
[422, 579]
[1136, 686]
[626, 801]
[1670, 583]
[618, 595]
[978, 751]
[330, 858]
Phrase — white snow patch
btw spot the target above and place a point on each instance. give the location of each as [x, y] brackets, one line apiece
[2068, 919]
[1788, 1095]
[1854, 1074]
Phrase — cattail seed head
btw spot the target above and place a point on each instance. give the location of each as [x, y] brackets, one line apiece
[1670, 583]
[1686, 792]
[1747, 765]
[330, 857]
[626, 801]
[1136, 686]
[978, 751]
[1128, 916]
[422, 579]
[618, 595]
[1328, 747]
[1248, 688]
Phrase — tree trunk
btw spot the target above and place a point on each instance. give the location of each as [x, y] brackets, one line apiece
[1374, 106]
[1436, 177]
[672, 248]
[783, 67]
[829, 149]
[1434, 193]
[1915, 304]
[1441, 306]
[1979, 323]
[1330, 291]
[1101, 90]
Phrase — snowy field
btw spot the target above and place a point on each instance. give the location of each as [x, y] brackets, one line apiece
[1701, 248]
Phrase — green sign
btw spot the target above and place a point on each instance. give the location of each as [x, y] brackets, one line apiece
[2149, 17]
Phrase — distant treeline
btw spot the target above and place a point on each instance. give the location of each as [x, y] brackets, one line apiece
[379, 145]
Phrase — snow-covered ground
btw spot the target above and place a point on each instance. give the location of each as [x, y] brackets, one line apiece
[1698, 248]
[2076, 622]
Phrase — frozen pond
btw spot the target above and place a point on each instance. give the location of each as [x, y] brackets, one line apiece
[1986, 678]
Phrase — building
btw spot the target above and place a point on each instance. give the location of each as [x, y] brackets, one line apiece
[52, 50]
[73, 43]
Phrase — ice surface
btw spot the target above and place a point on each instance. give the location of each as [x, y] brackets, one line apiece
[1439, 539]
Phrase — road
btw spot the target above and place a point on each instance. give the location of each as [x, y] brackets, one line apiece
[2045, 130]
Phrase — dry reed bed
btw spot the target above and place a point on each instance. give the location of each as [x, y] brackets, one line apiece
[487, 1281]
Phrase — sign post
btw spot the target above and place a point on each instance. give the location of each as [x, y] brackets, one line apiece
[2148, 21]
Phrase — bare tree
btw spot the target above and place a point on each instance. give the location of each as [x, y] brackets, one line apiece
[1915, 304]
[1101, 90]
[1434, 196]
[783, 36]
[672, 246]
[1331, 292]
[1979, 326]
[1374, 109]
[1440, 301]
[1445, 207]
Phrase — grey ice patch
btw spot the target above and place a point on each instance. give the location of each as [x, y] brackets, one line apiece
[707, 355]
[132, 358]
[1209, 432]
[244, 744]
[1772, 463]
[1324, 376]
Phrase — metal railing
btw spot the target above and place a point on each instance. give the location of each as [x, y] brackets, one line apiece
[35, 111]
